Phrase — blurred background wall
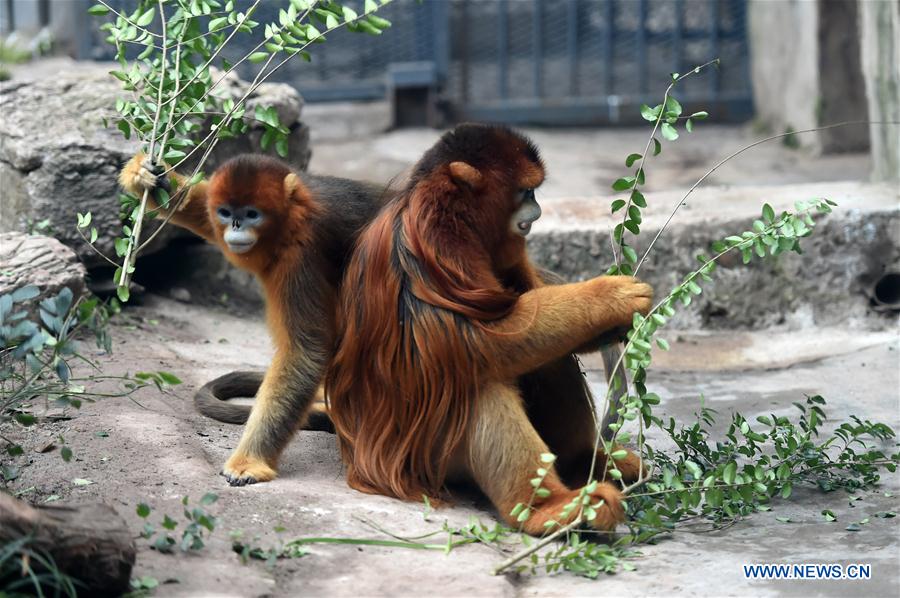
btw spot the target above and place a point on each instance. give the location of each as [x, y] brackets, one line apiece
[787, 64]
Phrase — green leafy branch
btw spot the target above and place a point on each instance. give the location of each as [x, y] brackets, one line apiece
[664, 117]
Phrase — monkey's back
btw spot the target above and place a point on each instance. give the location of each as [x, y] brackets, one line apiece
[348, 207]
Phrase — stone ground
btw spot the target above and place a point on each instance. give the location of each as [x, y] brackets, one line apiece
[157, 450]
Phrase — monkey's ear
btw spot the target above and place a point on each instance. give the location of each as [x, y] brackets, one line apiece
[465, 173]
[295, 189]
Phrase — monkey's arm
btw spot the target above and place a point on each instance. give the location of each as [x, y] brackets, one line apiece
[191, 214]
[551, 321]
[549, 278]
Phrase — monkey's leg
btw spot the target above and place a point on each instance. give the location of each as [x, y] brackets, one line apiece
[559, 406]
[191, 213]
[281, 406]
[503, 451]
[212, 401]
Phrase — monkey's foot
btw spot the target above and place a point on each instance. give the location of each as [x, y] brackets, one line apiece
[629, 465]
[241, 470]
[606, 501]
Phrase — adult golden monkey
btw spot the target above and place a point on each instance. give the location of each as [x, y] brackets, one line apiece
[454, 358]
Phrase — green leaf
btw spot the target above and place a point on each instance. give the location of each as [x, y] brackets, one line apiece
[123, 293]
[170, 379]
[123, 126]
[700, 115]
[689, 125]
[143, 510]
[629, 254]
[672, 106]
[169, 523]
[98, 10]
[281, 146]
[631, 159]
[829, 515]
[82, 482]
[25, 293]
[669, 132]
[25, 419]
[650, 114]
[663, 344]
[624, 183]
[146, 18]
[768, 213]
[657, 146]
[729, 473]
[66, 454]
[208, 498]
[258, 57]
[617, 205]
[637, 198]
[217, 23]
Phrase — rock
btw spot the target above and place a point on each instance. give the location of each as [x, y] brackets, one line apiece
[56, 158]
[180, 294]
[41, 261]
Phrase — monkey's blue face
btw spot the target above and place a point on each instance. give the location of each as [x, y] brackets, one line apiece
[241, 226]
[526, 213]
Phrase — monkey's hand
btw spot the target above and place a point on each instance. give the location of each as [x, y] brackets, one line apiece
[140, 175]
[622, 296]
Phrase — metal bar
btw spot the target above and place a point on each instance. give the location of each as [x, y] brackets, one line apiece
[537, 26]
[641, 40]
[441, 38]
[714, 79]
[503, 47]
[572, 45]
[609, 33]
[677, 34]
[462, 41]
[10, 16]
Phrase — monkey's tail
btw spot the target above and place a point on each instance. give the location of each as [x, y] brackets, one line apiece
[212, 401]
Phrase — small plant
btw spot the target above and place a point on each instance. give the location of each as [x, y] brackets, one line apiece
[248, 551]
[37, 353]
[25, 571]
[193, 536]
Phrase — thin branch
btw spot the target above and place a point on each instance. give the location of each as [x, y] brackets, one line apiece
[656, 126]
[135, 235]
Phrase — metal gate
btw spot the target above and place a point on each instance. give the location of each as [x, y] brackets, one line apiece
[560, 62]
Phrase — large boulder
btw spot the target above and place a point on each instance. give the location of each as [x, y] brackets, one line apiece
[57, 158]
[44, 262]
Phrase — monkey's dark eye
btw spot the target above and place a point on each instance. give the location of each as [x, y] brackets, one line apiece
[252, 214]
[224, 212]
[526, 195]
